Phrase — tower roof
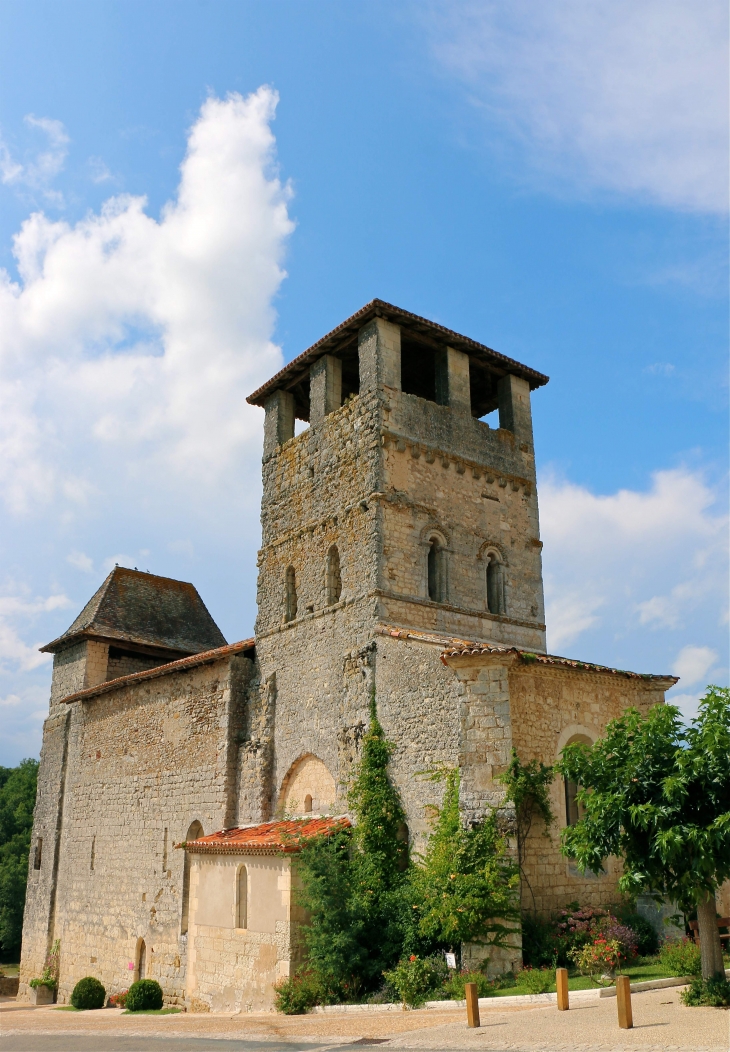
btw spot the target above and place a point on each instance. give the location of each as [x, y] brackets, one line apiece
[345, 336]
[141, 608]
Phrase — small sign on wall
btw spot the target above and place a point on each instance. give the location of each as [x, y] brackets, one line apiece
[451, 960]
[131, 966]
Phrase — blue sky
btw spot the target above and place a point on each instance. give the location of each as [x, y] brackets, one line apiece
[549, 179]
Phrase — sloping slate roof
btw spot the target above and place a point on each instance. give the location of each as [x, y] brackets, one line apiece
[268, 838]
[463, 648]
[136, 607]
[379, 308]
[206, 657]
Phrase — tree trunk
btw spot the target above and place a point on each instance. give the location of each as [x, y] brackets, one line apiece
[710, 946]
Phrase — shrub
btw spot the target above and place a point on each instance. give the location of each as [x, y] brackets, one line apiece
[713, 993]
[535, 980]
[540, 943]
[415, 978]
[601, 955]
[681, 957]
[454, 985]
[612, 931]
[88, 993]
[297, 994]
[119, 1000]
[143, 996]
[647, 939]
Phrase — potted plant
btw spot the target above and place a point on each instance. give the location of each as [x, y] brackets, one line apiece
[43, 988]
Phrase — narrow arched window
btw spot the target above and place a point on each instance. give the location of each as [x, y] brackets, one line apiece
[495, 585]
[194, 832]
[242, 897]
[140, 970]
[307, 804]
[290, 610]
[572, 808]
[436, 571]
[334, 577]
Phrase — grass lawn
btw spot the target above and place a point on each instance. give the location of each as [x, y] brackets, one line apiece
[153, 1011]
[640, 972]
[9, 969]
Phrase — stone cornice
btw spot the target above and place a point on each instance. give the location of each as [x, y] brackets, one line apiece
[446, 458]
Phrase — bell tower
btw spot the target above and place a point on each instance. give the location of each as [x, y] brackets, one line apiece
[428, 511]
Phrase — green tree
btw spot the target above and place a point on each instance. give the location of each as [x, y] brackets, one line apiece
[464, 887]
[351, 883]
[527, 786]
[658, 795]
[17, 799]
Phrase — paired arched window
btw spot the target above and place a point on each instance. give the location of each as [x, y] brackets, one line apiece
[334, 576]
[495, 584]
[436, 571]
[290, 599]
[195, 831]
[242, 897]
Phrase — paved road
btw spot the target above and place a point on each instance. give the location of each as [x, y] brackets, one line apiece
[661, 1024]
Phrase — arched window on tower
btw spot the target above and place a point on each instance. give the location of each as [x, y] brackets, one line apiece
[242, 897]
[436, 571]
[495, 585]
[194, 832]
[290, 599]
[334, 576]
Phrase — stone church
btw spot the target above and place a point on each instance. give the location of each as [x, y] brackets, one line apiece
[400, 551]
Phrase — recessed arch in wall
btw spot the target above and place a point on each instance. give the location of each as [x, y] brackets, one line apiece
[195, 831]
[571, 810]
[307, 788]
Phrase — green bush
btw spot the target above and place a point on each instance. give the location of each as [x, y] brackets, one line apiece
[144, 995]
[681, 957]
[454, 985]
[646, 934]
[712, 993]
[297, 994]
[535, 980]
[417, 978]
[88, 993]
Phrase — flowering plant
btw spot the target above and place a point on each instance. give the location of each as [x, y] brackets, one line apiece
[600, 955]
[118, 1000]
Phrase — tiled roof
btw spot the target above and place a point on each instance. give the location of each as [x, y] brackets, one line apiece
[206, 658]
[142, 608]
[463, 648]
[349, 328]
[268, 838]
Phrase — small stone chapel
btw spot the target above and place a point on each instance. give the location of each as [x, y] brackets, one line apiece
[400, 551]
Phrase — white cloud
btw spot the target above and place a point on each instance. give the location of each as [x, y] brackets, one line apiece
[628, 97]
[693, 664]
[17, 611]
[623, 567]
[39, 171]
[129, 345]
[80, 562]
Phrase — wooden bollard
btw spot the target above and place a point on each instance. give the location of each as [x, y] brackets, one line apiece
[561, 985]
[623, 1000]
[472, 1004]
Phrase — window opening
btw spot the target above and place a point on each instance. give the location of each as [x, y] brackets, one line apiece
[495, 586]
[194, 832]
[334, 576]
[93, 854]
[418, 369]
[291, 594]
[436, 571]
[573, 811]
[164, 853]
[307, 803]
[38, 853]
[141, 968]
[242, 897]
[402, 836]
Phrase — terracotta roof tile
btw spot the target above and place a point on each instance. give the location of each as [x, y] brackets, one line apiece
[268, 838]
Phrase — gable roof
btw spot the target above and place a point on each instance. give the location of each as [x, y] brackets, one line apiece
[136, 607]
[437, 334]
[267, 838]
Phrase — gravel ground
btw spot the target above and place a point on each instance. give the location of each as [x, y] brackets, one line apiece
[661, 1024]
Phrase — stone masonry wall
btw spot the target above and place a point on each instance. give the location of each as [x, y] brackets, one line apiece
[550, 707]
[142, 763]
